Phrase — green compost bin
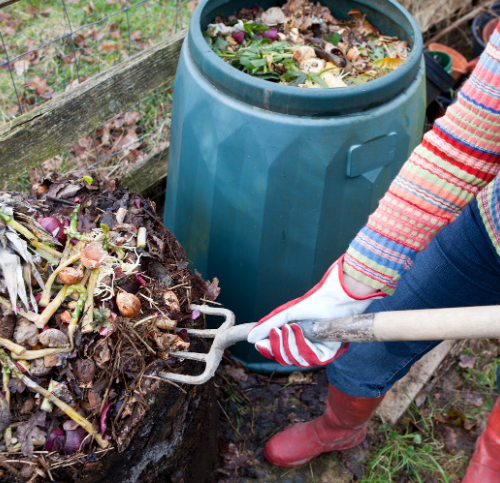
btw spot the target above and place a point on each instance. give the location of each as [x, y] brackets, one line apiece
[268, 184]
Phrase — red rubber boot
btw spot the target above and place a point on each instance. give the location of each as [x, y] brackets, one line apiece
[343, 426]
[484, 467]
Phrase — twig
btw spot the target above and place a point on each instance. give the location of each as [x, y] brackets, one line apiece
[178, 285]
[458, 22]
[59, 200]
[284, 474]
[105, 398]
[148, 347]
[211, 301]
[230, 422]
[166, 380]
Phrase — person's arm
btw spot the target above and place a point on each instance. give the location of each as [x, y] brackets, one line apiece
[455, 160]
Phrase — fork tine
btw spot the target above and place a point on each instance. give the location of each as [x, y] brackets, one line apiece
[194, 356]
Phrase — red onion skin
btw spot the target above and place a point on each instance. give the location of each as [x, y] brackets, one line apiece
[58, 433]
[103, 420]
[239, 37]
[183, 334]
[76, 199]
[137, 203]
[74, 440]
[271, 34]
[195, 314]
[141, 281]
[54, 227]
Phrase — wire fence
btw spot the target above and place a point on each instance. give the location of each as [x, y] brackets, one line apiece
[48, 47]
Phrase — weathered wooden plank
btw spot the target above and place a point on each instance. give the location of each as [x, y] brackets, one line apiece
[147, 173]
[6, 3]
[399, 398]
[46, 131]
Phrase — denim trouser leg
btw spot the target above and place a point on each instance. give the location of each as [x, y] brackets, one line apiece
[459, 268]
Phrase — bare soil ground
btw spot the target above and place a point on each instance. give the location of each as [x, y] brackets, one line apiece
[432, 442]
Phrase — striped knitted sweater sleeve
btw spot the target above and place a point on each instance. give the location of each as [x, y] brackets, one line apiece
[454, 162]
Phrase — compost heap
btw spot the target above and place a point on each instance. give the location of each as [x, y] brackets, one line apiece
[302, 44]
[94, 290]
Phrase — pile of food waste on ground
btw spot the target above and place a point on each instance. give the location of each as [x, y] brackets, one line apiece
[302, 44]
[94, 293]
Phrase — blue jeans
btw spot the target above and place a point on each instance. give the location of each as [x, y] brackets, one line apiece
[459, 268]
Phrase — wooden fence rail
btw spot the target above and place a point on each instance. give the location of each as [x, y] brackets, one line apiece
[48, 130]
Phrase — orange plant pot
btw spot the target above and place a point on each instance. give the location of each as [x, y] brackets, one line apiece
[459, 62]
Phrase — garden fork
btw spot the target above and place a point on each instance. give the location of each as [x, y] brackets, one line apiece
[428, 324]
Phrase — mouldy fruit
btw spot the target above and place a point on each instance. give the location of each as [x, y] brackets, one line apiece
[128, 304]
[70, 275]
[84, 370]
[93, 255]
[38, 368]
[51, 361]
[53, 338]
[171, 301]
[26, 333]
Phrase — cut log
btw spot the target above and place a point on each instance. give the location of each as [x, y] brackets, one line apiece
[399, 398]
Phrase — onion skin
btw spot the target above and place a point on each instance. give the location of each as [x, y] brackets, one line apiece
[239, 37]
[128, 304]
[74, 440]
[54, 227]
[103, 420]
[71, 275]
[55, 440]
[271, 34]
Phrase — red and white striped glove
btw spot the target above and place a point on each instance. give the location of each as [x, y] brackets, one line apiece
[275, 338]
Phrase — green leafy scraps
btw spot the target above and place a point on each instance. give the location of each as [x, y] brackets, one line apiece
[334, 39]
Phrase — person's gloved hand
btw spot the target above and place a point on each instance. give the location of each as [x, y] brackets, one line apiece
[275, 338]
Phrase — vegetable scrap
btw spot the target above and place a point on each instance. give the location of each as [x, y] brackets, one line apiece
[94, 291]
[302, 44]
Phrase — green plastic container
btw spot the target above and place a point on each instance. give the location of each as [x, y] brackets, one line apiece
[268, 184]
[444, 60]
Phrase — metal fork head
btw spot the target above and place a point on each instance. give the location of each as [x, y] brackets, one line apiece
[214, 356]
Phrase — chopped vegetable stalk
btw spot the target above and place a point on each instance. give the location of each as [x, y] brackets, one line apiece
[46, 405]
[18, 227]
[77, 312]
[44, 301]
[141, 237]
[72, 230]
[46, 249]
[28, 315]
[6, 390]
[12, 346]
[42, 320]
[48, 256]
[28, 234]
[89, 304]
[105, 241]
[66, 408]
[30, 355]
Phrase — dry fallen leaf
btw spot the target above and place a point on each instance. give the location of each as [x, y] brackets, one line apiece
[467, 361]
[300, 377]
[237, 373]
[29, 431]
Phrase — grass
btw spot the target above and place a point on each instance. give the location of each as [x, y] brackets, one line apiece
[417, 453]
[418, 448]
[53, 45]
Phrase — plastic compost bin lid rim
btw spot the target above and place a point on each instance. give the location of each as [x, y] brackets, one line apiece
[296, 100]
